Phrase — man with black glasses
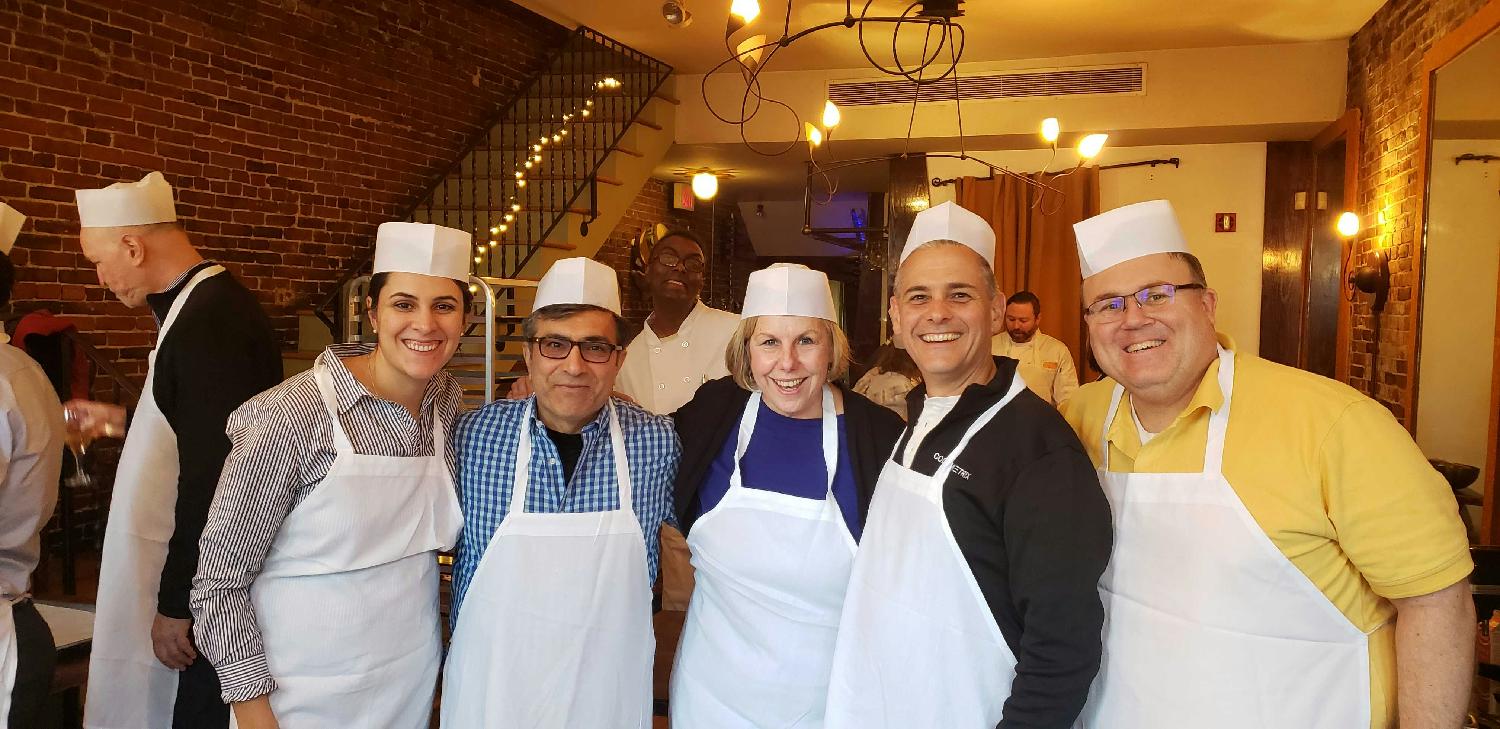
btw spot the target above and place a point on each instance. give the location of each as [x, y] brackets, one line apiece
[1284, 555]
[562, 495]
[682, 344]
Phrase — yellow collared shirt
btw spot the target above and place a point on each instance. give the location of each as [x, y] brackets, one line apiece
[1335, 482]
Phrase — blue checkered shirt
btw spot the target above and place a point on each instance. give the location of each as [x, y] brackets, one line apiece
[486, 441]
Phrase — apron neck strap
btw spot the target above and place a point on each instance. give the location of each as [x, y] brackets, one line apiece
[1017, 386]
[830, 437]
[1218, 423]
[182, 297]
[521, 476]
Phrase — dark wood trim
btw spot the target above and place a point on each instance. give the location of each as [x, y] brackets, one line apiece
[1478, 27]
[1346, 129]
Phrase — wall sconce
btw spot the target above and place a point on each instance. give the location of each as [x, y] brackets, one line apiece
[1374, 279]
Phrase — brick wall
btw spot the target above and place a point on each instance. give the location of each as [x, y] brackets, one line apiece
[730, 258]
[290, 129]
[1385, 62]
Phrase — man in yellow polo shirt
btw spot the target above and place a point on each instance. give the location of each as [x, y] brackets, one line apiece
[1284, 555]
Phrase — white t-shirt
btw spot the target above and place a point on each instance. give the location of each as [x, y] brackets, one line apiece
[662, 373]
[934, 409]
[1140, 430]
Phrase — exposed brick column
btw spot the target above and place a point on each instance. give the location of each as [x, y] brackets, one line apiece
[1385, 65]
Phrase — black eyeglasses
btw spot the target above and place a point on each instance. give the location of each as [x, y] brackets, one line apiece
[1107, 310]
[560, 347]
[672, 260]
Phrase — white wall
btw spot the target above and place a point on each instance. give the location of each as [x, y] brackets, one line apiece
[1213, 178]
[1461, 263]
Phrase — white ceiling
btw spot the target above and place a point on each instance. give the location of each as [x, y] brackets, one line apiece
[997, 29]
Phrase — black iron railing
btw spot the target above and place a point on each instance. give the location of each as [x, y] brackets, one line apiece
[537, 162]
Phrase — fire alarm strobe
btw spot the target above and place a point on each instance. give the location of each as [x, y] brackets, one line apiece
[1225, 222]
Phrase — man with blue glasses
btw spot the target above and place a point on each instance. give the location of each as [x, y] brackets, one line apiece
[1284, 555]
[562, 495]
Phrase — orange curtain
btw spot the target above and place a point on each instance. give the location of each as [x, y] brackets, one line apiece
[1034, 246]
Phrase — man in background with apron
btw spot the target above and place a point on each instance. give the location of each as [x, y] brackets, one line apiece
[1284, 555]
[31, 445]
[562, 495]
[973, 601]
[215, 349]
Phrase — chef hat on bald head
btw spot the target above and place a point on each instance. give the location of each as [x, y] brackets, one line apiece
[127, 203]
[950, 222]
[1127, 233]
[10, 227]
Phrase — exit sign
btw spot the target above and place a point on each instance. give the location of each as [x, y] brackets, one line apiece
[1225, 222]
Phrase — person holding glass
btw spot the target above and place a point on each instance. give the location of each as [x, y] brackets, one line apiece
[779, 465]
[31, 439]
[317, 594]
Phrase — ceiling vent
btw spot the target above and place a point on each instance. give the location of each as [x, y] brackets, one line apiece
[1093, 81]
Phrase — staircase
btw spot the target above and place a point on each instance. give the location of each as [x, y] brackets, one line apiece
[548, 179]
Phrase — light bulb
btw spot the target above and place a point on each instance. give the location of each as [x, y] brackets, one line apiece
[557, 138]
[508, 217]
[705, 185]
[814, 137]
[585, 112]
[493, 231]
[1050, 129]
[529, 163]
[515, 207]
[1090, 146]
[589, 102]
[536, 147]
[830, 115]
[477, 259]
[745, 10]
[503, 227]
[520, 175]
[493, 243]
[520, 183]
[473, 288]
[545, 140]
[1348, 224]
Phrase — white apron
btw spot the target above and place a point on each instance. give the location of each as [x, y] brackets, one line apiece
[918, 645]
[128, 688]
[1208, 623]
[772, 570]
[347, 601]
[555, 630]
[8, 656]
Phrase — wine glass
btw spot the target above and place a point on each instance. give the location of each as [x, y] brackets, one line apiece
[77, 442]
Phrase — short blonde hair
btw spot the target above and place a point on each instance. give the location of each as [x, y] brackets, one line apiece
[737, 354]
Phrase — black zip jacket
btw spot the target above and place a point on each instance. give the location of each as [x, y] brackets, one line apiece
[1025, 506]
[219, 353]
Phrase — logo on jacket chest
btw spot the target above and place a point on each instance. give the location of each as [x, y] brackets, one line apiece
[940, 457]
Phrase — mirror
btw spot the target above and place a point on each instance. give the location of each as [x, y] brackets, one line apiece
[1460, 267]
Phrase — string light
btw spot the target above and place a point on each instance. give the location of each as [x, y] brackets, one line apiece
[509, 217]
[515, 207]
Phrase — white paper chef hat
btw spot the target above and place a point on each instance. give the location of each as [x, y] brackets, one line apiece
[424, 248]
[579, 281]
[1127, 233]
[10, 227]
[127, 203]
[788, 289]
[951, 222]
